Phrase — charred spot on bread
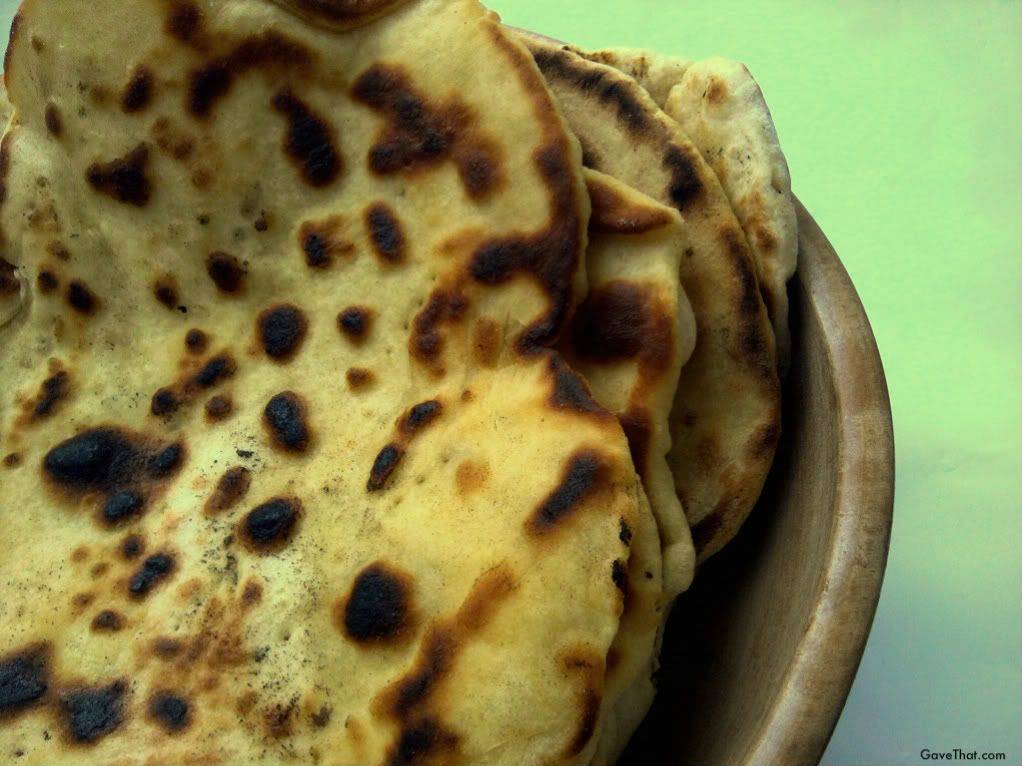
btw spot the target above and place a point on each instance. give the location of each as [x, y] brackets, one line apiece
[285, 418]
[379, 609]
[271, 525]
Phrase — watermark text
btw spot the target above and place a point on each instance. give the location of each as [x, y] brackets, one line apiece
[957, 754]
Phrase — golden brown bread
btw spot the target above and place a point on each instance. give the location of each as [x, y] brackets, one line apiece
[725, 420]
[722, 110]
[290, 469]
[630, 338]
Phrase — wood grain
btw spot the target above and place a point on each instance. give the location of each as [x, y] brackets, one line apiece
[760, 654]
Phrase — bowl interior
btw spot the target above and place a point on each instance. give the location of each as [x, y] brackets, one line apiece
[760, 653]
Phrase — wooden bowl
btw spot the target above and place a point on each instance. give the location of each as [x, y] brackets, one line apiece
[760, 654]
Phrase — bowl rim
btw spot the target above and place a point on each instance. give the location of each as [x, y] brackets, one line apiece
[815, 687]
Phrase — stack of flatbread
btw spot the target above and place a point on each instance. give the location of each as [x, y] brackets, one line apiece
[373, 377]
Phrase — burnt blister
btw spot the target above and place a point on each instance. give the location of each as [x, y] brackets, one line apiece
[53, 120]
[422, 738]
[322, 241]
[322, 716]
[613, 322]
[170, 711]
[581, 478]
[550, 256]
[81, 600]
[359, 378]
[53, 391]
[164, 402]
[385, 233]
[439, 648]
[284, 417]
[271, 525]
[383, 466]
[99, 569]
[123, 505]
[684, 187]
[495, 262]
[216, 370]
[89, 460]
[355, 323]
[165, 291]
[625, 533]
[24, 678]
[379, 606]
[81, 298]
[93, 713]
[603, 83]
[219, 407]
[417, 136]
[478, 169]
[230, 489]
[153, 571]
[139, 91]
[124, 178]
[282, 329]
[425, 341]
[107, 621]
[226, 271]
[132, 547]
[421, 135]
[183, 21]
[317, 253]
[570, 391]
[165, 462]
[196, 341]
[309, 141]
[420, 416]
[619, 574]
[252, 594]
[737, 248]
[207, 86]
[47, 282]
[167, 648]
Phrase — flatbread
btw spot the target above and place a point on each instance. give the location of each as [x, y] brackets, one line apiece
[630, 338]
[725, 420]
[722, 110]
[655, 72]
[290, 471]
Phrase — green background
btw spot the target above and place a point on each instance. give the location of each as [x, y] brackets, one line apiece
[901, 123]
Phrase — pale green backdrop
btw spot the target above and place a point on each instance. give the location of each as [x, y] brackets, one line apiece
[901, 123]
